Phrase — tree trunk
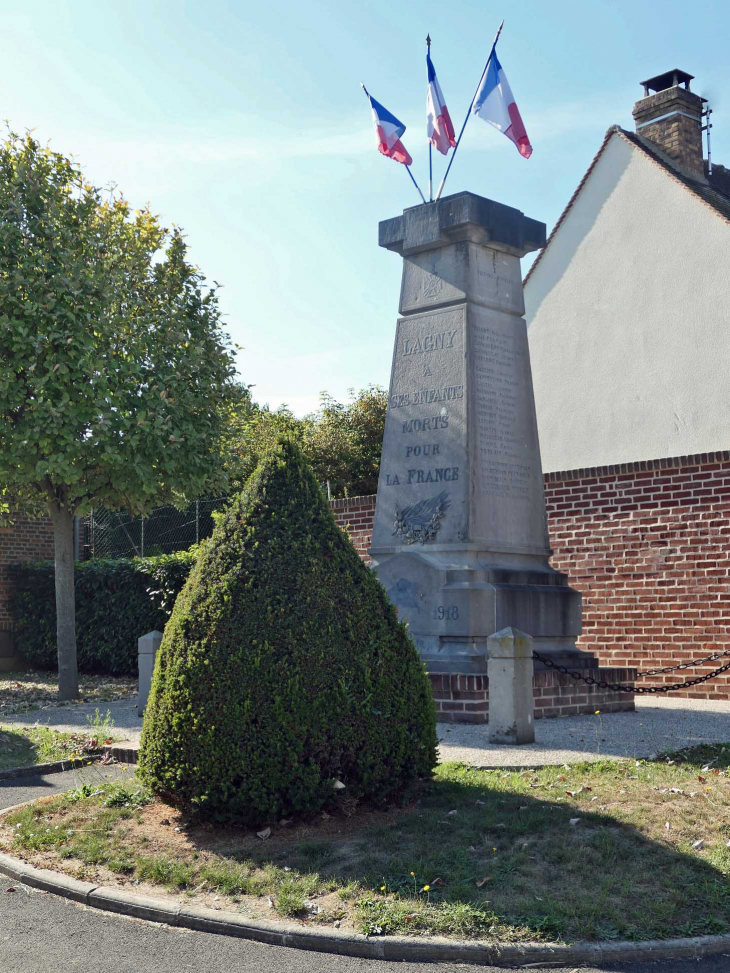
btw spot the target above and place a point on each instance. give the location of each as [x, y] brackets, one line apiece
[63, 541]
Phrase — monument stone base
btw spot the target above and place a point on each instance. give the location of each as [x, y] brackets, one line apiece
[477, 593]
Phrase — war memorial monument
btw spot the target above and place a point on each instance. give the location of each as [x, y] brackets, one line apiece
[460, 538]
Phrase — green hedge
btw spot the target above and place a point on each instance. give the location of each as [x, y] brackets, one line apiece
[284, 668]
[116, 602]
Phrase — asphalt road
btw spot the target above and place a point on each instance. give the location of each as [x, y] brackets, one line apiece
[40, 933]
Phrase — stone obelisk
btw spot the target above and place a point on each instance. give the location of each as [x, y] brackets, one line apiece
[460, 539]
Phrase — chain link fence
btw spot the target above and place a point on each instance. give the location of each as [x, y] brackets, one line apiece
[167, 529]
[109, 533]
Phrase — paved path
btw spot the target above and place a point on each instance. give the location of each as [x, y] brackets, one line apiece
[122, 713]
[28, 788]
[40, 933]
[659, 724]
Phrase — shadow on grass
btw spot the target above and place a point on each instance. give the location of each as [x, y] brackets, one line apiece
[504, 859]
[16, 750]
[580, 853]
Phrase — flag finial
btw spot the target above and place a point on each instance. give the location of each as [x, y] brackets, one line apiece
[428, 41]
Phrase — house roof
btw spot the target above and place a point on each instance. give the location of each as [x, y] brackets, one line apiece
[714, 193]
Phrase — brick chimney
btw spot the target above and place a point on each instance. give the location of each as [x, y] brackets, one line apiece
[670, 115]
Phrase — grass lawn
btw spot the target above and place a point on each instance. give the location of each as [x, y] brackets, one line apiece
[41, 744]
[614, 850]
[21, 692]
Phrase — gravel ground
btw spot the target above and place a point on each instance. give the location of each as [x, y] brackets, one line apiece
[658, 724]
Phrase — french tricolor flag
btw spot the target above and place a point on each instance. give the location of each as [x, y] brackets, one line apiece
[388, 131]
[495, 103]
[439, 130]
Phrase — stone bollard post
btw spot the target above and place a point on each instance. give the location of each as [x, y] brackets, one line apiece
[147, 647]
[511, 701]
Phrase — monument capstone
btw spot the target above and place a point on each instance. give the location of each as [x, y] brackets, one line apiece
[460, 538]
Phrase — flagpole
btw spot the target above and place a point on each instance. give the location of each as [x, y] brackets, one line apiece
[407, 168]
[468, 114]
[430, 144]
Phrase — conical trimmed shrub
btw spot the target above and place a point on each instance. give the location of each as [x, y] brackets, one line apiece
[283, 667]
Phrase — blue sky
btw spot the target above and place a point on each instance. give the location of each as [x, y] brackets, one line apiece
[245, 124]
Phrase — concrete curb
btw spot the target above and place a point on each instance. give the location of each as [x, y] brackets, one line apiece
[128, 754]
[426, 950]
[122, 755]
[57, 767]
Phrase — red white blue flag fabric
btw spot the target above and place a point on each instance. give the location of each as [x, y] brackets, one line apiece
[388, 131]
[439, 130]
[495, 103]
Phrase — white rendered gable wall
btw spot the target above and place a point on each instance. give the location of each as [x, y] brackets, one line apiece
[629, 321]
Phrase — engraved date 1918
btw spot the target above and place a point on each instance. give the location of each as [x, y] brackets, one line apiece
[445, 613]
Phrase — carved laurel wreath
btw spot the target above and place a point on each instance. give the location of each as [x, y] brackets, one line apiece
[420, 522]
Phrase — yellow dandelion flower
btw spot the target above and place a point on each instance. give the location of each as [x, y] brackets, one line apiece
[413, 873]
[382, 888]
[425, 888]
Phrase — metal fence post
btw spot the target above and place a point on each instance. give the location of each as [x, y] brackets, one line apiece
[197, 521]
[141, 540]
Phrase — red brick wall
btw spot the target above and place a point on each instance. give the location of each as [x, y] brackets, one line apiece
[465, 699]
[356, 515]
[648, 544]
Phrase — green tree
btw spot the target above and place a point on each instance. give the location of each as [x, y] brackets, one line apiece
[250, 431]
[113, 364]
[343, 441]
[283, 667]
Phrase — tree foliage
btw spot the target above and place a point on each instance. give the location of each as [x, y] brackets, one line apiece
[250, 431]
[112, 359]
[113, 363]
[283, 667]
[342, 441]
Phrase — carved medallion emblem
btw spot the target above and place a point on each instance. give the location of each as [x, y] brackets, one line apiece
[404, 594]
[432, 286]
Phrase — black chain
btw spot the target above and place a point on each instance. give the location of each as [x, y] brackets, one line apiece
[685, 665]
[617, 687]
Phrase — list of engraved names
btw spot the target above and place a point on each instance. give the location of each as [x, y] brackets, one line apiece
[498, 368]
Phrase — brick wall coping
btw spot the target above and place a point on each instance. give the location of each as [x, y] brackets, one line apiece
[345, 502]
[672, 462]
